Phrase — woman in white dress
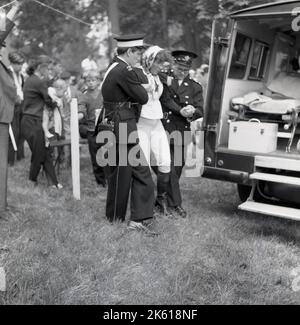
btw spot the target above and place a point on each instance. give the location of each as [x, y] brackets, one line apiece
[152, 135]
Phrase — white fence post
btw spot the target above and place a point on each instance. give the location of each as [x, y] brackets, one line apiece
[75, 158]
[2, 280]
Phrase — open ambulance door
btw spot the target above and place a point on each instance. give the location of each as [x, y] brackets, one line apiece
[222, 31]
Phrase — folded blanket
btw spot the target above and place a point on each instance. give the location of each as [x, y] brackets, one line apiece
[264, 104]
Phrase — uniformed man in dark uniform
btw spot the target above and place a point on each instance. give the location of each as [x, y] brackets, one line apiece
[8, 97]
[182, 105]
[123, 96]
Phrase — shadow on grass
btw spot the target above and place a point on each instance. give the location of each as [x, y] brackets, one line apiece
[288, 235]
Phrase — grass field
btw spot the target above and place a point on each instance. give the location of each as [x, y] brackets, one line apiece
[59, 251]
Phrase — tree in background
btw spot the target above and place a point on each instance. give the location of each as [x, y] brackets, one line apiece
[173, 24]
[177, 24]
[43, 31]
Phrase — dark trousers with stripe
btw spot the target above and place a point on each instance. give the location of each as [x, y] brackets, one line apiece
[93, 148]
[16, 128]
[3, 165]
[125, 179]
[32, 131]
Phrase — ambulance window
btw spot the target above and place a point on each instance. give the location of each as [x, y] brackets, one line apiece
[240, 57]
[259, 61]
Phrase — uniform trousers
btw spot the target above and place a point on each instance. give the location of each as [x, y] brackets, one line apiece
[3, 165]
[154, 143]
[93, 148]
[32, 131]
[21, 140]
[125, 179]
[178, 155]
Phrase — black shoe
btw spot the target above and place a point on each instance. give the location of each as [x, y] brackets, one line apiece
[146, 227]
[179, 212]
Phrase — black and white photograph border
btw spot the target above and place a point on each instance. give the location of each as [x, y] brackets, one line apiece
[149, 155]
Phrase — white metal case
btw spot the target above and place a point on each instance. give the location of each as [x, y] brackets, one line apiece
[253, 136]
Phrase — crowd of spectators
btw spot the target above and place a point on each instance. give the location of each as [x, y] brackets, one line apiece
[43, 109]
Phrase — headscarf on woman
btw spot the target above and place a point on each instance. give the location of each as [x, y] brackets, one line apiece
[149, 57]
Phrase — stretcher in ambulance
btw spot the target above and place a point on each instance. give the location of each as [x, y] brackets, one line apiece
[251, 121]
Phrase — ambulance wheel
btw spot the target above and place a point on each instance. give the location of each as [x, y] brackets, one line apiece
[244, 192]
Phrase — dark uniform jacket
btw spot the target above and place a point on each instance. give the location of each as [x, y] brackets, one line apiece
[8, 95]
[176, 97]
[123, 96]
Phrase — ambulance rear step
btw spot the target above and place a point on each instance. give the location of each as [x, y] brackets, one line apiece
[269, 209]
[275, 178]
[272, 210]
